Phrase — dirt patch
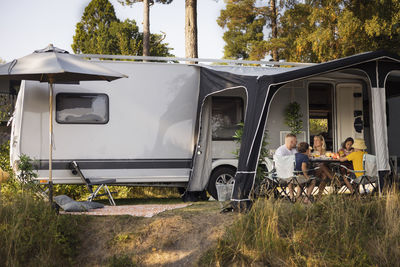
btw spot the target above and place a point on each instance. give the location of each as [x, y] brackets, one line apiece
[148, 210]
[172, 238]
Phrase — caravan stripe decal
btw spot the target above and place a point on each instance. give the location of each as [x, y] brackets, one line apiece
[116, 164]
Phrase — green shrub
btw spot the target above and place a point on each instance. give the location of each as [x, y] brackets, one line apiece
[5, 157]
[31, 234]
[336, 231]
[17, 183]
[8, 188]
[264, 152]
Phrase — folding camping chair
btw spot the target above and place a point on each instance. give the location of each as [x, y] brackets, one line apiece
[369, 174]
[269, 185]
[100, 183]
[285, 174]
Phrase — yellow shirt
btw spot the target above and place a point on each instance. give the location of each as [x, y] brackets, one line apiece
[357, 159]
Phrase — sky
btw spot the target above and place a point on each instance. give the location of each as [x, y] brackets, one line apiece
[28, 25]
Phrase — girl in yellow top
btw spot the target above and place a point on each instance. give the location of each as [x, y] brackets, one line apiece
[356, 157]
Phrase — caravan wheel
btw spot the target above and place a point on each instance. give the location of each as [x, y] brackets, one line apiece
[221, 175]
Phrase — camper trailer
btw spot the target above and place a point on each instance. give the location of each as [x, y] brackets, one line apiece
[140, 130]
[151, 128]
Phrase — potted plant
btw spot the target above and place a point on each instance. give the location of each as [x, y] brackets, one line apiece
[293, 117]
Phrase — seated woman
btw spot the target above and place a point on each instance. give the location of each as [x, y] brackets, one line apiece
[319, 148]
[302, 162]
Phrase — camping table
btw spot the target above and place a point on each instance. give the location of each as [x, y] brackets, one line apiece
[328, 161]
[324, 159]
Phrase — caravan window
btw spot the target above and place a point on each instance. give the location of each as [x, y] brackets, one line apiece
[77, 108]
[227, 112]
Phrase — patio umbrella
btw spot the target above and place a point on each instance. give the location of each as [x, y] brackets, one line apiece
[54, 65]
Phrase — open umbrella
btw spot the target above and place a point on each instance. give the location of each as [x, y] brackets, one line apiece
[54, 65]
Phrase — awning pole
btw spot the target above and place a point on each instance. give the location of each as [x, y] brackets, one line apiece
[50, 142]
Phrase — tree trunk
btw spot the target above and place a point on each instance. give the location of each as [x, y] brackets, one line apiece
[274, 27]
[191, 29]
[146, 28]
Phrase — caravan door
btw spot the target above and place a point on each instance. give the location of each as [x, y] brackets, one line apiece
[349, 112]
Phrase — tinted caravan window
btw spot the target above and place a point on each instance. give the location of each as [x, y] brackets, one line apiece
[227, 112]
[76, 108]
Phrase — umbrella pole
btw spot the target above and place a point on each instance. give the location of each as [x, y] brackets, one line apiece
[50, 142]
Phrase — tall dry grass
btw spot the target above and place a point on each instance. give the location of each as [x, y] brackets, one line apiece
[336, 231]
[31, 234]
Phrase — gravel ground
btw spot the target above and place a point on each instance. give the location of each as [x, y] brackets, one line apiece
[134, 210]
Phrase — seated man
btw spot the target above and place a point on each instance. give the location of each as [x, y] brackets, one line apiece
[289, 148]
[302, 162]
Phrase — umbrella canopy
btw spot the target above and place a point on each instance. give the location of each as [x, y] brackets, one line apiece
[55, 65]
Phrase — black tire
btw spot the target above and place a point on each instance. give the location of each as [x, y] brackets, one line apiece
[222, 175]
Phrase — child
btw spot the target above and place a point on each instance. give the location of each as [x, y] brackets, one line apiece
[302, 160]
[346, 147]
[356, 158]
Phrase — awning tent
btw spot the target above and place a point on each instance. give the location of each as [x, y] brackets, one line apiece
[260, 89]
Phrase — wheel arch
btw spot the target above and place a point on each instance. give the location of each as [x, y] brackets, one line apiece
[232, 163]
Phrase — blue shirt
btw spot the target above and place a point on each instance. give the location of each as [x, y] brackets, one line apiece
[300, 158]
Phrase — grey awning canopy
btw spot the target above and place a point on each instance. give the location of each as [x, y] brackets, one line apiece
[261, 84]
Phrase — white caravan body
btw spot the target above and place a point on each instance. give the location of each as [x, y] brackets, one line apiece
[148, 135]
[148, 131]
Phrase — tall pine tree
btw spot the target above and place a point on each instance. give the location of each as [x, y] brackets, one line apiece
[146, 20]
[92, 34]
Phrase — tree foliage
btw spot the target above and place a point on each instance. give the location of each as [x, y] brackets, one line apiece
[324, 30]
[101, 32]
[310, 30]
[244, 22]
[92, 34]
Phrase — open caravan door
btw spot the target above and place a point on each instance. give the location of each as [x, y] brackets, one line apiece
[202, 158]
[349, 112]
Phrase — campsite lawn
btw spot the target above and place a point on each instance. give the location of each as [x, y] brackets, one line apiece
[335, 231]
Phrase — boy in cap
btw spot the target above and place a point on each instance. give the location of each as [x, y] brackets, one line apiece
[302, 162]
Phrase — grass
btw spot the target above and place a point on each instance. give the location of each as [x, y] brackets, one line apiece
[336, 231]
[31, 234]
